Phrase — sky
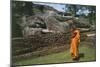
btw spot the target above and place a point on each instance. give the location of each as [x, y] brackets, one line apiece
[59, 7]
[83, 11]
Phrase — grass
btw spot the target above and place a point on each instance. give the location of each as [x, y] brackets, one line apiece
[87, 54]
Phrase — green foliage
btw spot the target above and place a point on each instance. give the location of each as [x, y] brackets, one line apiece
[22, 8]
[92, 18]
[19, 8]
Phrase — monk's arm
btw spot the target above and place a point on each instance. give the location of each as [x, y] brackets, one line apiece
[78, 36]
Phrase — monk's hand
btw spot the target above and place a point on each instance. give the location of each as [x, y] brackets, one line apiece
[79, 40]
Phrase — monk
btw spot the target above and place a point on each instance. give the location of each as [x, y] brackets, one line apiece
[75, 39]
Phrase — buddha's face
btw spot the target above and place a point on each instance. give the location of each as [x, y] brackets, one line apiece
[36, 22]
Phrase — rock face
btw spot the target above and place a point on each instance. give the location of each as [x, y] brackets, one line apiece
[46, 17]
[39, 23]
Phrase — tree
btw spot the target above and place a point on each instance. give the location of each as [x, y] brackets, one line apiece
[71, 8]
[20, 9]
[92, 14]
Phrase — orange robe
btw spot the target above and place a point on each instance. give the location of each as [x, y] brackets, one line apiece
[74, 44]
